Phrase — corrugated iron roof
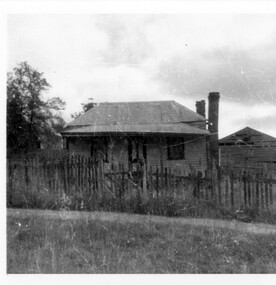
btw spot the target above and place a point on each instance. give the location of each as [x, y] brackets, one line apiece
[247, 131]
[136, 113]
[176, 128]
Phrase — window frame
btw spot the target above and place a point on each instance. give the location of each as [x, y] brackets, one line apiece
[176, 148]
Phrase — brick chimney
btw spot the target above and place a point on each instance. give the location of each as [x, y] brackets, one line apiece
[213, 120]
[200, 108]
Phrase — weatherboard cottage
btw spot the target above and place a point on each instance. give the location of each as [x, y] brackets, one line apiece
[160, 133]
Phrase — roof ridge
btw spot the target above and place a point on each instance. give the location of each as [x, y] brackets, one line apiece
[249, 128]
[131, 102]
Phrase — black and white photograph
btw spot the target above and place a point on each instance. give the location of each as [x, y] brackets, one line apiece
[140, 143]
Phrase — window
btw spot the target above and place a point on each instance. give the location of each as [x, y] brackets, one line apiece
[176, 148]
[99, 149]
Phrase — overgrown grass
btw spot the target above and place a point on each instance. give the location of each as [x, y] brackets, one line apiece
[166, 205]
[46, 244]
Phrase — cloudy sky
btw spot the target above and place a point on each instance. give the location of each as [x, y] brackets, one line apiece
[182, 57]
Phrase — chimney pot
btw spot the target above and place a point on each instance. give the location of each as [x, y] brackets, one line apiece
[200, 108]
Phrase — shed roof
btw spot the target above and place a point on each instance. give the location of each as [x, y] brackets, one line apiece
[251, 134]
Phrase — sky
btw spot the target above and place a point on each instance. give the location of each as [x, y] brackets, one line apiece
[148, 57]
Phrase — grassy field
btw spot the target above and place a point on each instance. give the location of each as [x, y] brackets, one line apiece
[74, 242]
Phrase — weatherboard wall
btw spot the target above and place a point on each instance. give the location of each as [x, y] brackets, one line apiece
[116, 149]
[248, 145]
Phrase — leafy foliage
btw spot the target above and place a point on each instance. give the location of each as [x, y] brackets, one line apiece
[31, 120]
[85, 107]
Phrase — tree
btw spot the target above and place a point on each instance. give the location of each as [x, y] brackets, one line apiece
[30, 119]
[85, 107]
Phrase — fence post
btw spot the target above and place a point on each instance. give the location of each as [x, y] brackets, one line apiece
[57, 180]
[26, 172]
[85, 177]
[207, 188]
[89, 178]
[150, 187]
[170, 180]
[138, 187]
[94, 186]
[257, 190]
[75, 173]
[122, 190]
[262, 191]
[82, 173]
[157, 182]
[232, 177]
[212, 185]
[239, 183]
[101, 177]
[266, 191]
[10, 179]
[166, 180]
[198, 182]
[63, 167]
[244, 188]
[270, 190]
[114, 184]
[82, 168]
[78, 173]
[226, 190]
[174, 181]
[219, 184]
[73, 176]
[144, 177]
[112, 178]
[249, 180]
[253, 193]
[161, 180]
[68, 174]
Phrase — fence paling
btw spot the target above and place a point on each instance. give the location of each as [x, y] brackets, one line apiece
[232, 189]
[166, 180]
[150, 183]
[262, 192]
[226, 192]
[244, 189]
[78, 175]
[248, 189]
[10, 182]
[270, 191]
[122, 194]
[266, 191]
[257, 191]
[157, 182]
[219, 186]
[169, 179]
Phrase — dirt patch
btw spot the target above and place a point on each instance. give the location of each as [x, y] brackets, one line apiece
[257, 228]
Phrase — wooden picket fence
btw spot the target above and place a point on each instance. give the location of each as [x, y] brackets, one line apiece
[250, 188]
[97, 185]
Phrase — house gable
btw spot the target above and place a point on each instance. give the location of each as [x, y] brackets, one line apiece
[248, 144]
[248, 136]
